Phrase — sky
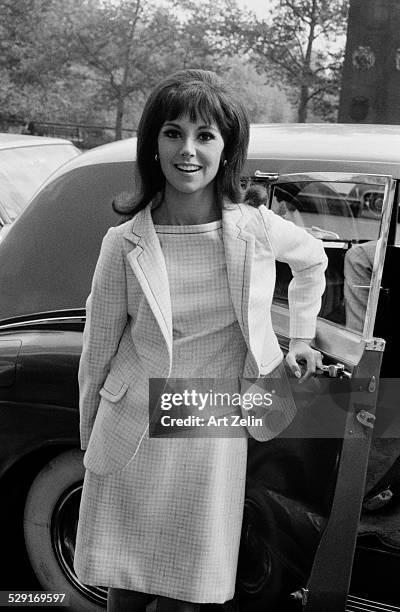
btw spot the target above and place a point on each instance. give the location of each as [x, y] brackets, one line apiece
[259, 7]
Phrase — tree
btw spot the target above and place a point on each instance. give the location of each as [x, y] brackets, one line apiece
[301, 47]
[120, 47]
[95, 61]
[24, 73]
[202, 42]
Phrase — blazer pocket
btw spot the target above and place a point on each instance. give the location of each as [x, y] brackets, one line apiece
[113, 389]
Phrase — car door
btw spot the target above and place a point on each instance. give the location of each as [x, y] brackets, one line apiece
[305, 488]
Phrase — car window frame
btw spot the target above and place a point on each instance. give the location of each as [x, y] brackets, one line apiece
[389, 184]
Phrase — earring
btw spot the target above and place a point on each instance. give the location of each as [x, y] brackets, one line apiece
[156, 157]
[225, 163]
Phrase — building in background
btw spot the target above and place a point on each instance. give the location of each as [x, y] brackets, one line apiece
[370, 91]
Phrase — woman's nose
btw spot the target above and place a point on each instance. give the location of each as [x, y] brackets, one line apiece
[188, 148]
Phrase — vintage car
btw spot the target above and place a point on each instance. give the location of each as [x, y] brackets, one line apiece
[304, 545]
[25, 163]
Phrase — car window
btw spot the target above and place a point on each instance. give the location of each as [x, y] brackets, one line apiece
[55, 268]
[346, 216]
[23, 170]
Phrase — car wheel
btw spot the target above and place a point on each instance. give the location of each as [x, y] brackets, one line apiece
[50, 523]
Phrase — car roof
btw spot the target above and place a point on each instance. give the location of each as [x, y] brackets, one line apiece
[12, 141]
[294, 147]
[331, 141]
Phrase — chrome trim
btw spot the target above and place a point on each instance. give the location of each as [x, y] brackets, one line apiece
[336, 177]
[379, 260]
[359, 604]
[34, 322]
[270, 176]
[300, 595]
[335, 370]
[366, 418]
[375, 344]
[334, 244]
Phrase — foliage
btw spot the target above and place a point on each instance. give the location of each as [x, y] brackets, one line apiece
[35, 79]
[118, 47]
[302, 48]
[94, 61]
[202, 42]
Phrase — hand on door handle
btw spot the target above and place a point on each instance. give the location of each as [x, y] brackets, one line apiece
[300, 352]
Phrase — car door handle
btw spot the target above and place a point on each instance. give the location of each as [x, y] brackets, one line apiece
[334, 370]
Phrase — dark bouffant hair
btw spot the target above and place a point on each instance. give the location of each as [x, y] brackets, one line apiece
[199, 94]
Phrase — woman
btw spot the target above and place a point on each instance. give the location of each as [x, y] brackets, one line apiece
[182, 290]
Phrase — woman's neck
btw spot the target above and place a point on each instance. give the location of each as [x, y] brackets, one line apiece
[187, 209]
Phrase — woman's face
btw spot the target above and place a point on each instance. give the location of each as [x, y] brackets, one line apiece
[190, 153]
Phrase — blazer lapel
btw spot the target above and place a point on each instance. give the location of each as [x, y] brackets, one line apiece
[239, 253]
[148, 264]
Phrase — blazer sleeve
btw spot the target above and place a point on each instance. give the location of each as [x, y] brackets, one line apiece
[307, 260]
[106, 317]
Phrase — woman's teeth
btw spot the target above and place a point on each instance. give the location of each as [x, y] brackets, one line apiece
[187, 167]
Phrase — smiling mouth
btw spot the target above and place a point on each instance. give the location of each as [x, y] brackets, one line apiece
[188, 168]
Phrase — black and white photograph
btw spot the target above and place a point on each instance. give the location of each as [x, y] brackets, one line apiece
[199, 238]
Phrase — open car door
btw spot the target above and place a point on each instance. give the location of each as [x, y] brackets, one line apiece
[305, 488]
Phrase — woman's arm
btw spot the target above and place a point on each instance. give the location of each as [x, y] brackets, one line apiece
[307, 260]
[106, 317]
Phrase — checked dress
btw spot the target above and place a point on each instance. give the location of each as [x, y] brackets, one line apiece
[169, 522]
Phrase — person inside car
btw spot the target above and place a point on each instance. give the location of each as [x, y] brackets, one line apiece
[183, 290]
[358, 265]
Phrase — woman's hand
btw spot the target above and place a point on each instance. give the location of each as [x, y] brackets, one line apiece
[301, 351]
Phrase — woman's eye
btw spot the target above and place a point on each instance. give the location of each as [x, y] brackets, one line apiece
[171, 133]
[206, 136]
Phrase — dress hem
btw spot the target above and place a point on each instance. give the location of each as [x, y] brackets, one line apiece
[182, 596]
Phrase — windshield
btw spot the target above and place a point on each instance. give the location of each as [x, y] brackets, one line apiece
[23, 170]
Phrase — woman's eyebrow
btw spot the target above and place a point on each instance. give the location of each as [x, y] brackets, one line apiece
[207, 127]
[201, 127]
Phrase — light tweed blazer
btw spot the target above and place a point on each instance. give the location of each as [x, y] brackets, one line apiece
[128, 332]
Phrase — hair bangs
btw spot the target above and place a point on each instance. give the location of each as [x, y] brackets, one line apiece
[196, 102]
